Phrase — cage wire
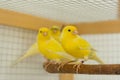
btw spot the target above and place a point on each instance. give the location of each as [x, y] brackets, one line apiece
[15, 41]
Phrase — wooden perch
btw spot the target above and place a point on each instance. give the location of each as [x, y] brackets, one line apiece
[85, 69]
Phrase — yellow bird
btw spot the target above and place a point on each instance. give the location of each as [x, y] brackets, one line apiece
[55, 32]
[50, 48]
[77, 46]
[33, 50]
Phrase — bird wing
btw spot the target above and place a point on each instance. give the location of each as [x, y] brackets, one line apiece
[66, 55]
[56, 48]
[84, 45]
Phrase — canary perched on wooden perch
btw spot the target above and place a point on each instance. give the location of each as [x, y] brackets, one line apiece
[77, 46]
[33, 50]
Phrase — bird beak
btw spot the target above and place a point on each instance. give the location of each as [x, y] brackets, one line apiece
[75, 32]
[45, 34]
[54, 31]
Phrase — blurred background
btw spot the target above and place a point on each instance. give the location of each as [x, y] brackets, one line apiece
[97, 20]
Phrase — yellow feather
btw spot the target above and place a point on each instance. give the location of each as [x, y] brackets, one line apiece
[33, 50]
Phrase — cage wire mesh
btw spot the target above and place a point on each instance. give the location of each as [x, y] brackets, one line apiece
[15, 41]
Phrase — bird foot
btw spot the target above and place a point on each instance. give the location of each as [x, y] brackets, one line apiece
[61, 65]
[50, 62]
[78, 66]
[46, 66]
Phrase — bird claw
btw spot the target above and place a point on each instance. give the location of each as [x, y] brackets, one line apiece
[61, 66]
[75, 66]
[78, 66]
[55, 62]
[50, 62]
[46, 66]
[58, 68]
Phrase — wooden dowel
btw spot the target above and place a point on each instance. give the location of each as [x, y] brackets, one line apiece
[85, 69]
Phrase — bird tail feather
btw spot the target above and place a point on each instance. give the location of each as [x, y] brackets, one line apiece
[96, 58]
[30, 52]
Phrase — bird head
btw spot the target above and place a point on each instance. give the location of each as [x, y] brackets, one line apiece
[55, 30]
[70, 31]
[43, 33]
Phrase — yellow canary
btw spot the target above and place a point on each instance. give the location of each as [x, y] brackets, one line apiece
[55, 32]
[33, 50]
[77, 46]
[50, 48]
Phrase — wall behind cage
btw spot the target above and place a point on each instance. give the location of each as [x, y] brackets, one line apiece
[13, 43]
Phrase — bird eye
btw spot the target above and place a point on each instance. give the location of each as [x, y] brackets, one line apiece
[69, 30]
[40, 31]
